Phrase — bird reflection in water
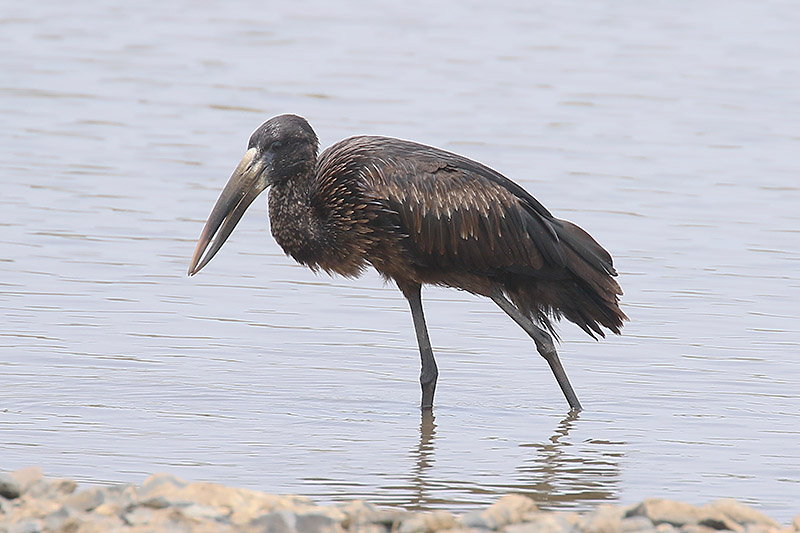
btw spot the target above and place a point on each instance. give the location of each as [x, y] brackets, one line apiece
[559, 478]
[422, 498]
[557, 474]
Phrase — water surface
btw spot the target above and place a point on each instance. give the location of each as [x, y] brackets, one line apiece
[669, 131]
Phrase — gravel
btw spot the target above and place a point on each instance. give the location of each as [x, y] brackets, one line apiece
[31, 503]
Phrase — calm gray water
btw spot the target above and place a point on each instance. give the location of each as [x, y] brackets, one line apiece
[671, 131]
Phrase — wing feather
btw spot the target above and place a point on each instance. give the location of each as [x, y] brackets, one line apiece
[453, 215]
[462, 214]
[458, 213]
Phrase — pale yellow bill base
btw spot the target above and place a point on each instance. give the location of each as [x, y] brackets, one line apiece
[244, 185]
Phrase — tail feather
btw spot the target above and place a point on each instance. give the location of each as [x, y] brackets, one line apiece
[587, 294]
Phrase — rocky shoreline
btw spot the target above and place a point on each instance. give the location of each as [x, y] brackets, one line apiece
[31, 503]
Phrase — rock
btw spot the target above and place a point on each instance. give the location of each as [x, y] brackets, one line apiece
[27, 526]
[204, 513]
[334, 513]
[117, 500]
[413, 524]
[86, 500]
[759, 528]
[698, 528]
[95, 524]
[572, 519]
[314, 522]
[10, 488]
[740, 513]
[541, 523]
[636, 523]
[359, 513]
[138, 516]
[275, 522]
[53, 488]
[157, 502]
[108, 509]
[717, 521]
[166, 503]
[55, 520]
[427, 522]
[28, 508]
[156, 488]
[240, 506]
[475, 519]
[156, 481]
[27, 476]
[661, 511]
[604, 519]
[369, 528]
[509, 509]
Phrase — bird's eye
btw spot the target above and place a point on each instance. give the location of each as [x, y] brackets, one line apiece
[274, 146]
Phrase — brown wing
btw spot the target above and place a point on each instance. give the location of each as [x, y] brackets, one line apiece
[459, 213]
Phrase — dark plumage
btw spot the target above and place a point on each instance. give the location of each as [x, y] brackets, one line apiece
[421, 215]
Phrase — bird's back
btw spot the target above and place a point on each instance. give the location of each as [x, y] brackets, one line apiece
[436, 217]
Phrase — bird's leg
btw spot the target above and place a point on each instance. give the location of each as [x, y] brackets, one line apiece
[544, 344]
[429, 372]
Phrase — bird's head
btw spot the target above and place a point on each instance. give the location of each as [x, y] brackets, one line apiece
[281, 148]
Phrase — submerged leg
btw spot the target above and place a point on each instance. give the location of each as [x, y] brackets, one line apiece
[544, 344]
[429, 372]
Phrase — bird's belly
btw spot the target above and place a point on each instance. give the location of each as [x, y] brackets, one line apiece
[404, 270]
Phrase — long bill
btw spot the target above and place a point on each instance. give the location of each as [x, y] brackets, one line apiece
[244, 185]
